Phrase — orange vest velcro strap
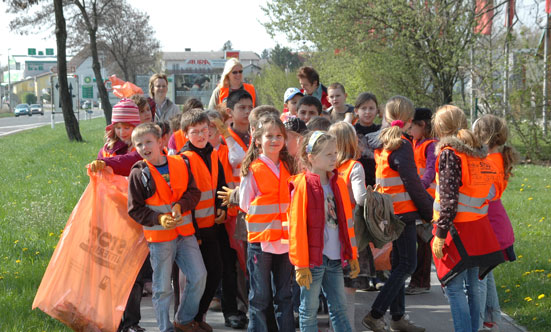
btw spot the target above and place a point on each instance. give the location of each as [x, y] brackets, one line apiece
[165, 196]
[206, 182]
[266, 218]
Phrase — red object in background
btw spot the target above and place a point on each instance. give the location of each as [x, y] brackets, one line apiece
[484, 8]
[124, 89]
[548, 6]
[510, 13]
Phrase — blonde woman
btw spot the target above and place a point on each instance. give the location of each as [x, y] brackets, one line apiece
[231, 80]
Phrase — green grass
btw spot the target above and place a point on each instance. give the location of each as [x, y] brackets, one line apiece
[7, 115]
[42, 176]
[520, 283]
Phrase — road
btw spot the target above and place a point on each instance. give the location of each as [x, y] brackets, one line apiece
[12, 125]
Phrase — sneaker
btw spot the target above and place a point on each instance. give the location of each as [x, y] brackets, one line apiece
[215, 304]
[203, 327]
[134, 328]
[489, 327]
[375, 325]
[235, 322]
[405, 325]
[189, 327]
[416, 290]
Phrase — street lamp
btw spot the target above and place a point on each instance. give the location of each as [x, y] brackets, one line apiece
[9, 79]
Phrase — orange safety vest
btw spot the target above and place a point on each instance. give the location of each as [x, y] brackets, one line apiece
[344, 171]
[389, 182]
[237, 169]
[501, 182]
[223, 154]
[165, 196]
[299, 244]
[420, 156]
[180, 140]
[225, 92]
[206, 182]
[267, 219]
[478, 176]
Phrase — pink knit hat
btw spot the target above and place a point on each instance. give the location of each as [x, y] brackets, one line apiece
[125, 111]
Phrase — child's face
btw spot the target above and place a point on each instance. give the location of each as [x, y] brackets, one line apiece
[417, 130]
[241, 111]
[291, 104]
[124, 131]
[293, 142]
[367, 113]
[306, 112]
[326, 159]
[198, 134]
[336, 97]
[145, 114]
[214, 135]
[272, 141]
[149, 147]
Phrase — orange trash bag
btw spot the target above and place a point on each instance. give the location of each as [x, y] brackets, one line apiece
[381, 257]
[124, 89]
[96, 261]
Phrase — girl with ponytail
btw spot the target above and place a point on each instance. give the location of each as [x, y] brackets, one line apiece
[492, 132]
[396, 175]
[465, 247]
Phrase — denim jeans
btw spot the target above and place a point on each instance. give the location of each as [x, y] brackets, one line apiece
[183, 250]
[269, 272]
[404, 261]
[489, 302]
[330, 279]
[464, 297]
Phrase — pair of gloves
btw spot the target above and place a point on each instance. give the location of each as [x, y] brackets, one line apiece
[304, 275]
[171, 220]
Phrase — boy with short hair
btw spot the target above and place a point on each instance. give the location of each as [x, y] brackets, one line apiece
[290, 101]
[339, 110]
[209, 176]
[161, 195]
[308, 107]
[239, 105]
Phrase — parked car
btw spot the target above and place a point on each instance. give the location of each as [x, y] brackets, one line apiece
[37, 109]
[23, 109]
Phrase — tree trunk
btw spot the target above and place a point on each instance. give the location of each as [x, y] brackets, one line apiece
[105, 104]
[71, 123]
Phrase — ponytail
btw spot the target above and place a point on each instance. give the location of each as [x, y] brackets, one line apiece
[510, 158]
[391, 137]
[398, 111]
[467, 137]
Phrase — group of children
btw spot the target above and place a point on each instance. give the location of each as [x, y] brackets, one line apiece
[293, 181]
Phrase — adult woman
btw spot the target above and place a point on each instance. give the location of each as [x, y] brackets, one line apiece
[231, 80]
[163, 109]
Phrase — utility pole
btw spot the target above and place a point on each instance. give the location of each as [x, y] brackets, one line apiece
[9, 80]
[545, 74]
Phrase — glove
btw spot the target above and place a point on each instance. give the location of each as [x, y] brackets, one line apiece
[225, 195]
[354, 268]
[177, 213]
[167, 221]
[304, 277]
[437, 245]
[222, 128]
[97, 165]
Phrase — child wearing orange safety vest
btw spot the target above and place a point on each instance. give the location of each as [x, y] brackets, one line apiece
[396, 175]
[425, 160]
[161, 195]
[492, 132]
[209, 176]
[177, 139]
[321, 232]
[264, 197]
[465, 247]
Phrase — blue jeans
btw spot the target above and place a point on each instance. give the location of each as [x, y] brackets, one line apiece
[489, 302]
[464, 297]
[329, 278]
[185, 252]
[404, 261]
[269, 272]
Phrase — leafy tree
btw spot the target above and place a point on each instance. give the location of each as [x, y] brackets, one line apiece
[265, 54]
[272, 83]
[285, 58]
[29, 98]
[227, 46]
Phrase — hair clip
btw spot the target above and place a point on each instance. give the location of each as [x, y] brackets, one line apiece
[313, 139]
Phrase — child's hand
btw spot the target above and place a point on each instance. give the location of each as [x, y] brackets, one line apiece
[177, 213]
[96, 165]
[167, 221]
[225, 195]
[354, 268]
[437, 246]
[220, 216]
[304, 277]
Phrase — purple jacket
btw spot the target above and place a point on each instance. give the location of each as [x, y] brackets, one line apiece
[502, 228]
[121, 163]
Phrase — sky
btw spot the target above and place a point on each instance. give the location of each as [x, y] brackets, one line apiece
[202, 25]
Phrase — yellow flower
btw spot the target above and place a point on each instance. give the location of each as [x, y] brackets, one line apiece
[548, 275]
[528, 299]
[25, 249]
[522, 185]
[541, 296]
[51, 234]
[15, 242]
[547, 186]
[521, 189]
[519, 256]
[36, 253]
[526, 273]
[517, 285]
[530, 198]
[18, 261]
[507, 290]
[507, 300]
[529, 225]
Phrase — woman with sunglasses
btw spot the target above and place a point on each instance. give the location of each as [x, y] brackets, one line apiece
[231, 80]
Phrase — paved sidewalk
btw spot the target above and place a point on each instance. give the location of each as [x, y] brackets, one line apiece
[430, 310]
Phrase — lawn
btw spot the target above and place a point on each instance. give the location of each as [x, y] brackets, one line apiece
[42, 176]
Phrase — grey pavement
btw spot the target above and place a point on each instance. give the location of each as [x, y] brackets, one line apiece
[430, 310]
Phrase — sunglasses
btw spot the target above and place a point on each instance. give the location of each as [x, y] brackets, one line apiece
[237, 72]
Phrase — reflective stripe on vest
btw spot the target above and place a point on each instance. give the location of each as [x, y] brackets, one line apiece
[389, 182]
[206, 182]
[161, 201]
[225, 92]
[266, 219]
[477, 188]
